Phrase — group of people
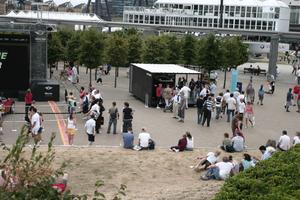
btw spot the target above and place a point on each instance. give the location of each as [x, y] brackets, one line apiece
[293, 98]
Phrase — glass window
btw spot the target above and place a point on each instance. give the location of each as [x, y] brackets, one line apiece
[247, 24]
[180, 6]
[271, 15]
[156, 19]
[130, 18]
[201, 10]
[226, 23]
[141, 19]
[195, 8]
[199, 21]
[210, 22]
[243, 10]
[258, 25]
[259, 12]
[248, 11]
[253, 25]
[277, 11]
[151, 19]
[227, 10]
[231, 12]
[264, 25]
[238, 11]
[254, 9]
[270, 26]
[205, 22]
[162, 19]
[175, 6]
[147, 19]
[216, 11]
[187, 7]
[242, 25]
[195, 21]
[210, 9]
[236, 23]
[215, 23]
[205, 10]
[231, 23]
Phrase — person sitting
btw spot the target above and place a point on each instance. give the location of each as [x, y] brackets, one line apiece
[238, 143]
[235, 166]
[144, 139]
[181, 145]
[227, 143]
[190, 142]
[247, 162]
[266, 152]
[128, 139]
[210, 159]
[61, 185]
[219, 171]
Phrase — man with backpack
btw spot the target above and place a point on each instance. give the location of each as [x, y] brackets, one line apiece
[113, 117]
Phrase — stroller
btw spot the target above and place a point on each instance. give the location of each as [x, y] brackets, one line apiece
[169, 106]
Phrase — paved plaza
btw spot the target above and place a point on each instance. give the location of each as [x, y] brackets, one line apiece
[270, 118]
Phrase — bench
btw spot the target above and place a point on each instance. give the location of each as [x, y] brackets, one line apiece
[255, 71]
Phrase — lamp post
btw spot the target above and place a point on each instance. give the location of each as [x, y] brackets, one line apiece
[221, 14]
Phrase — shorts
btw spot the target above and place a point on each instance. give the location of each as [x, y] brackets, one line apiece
[91, 138]
[248, 116]
[71, 131]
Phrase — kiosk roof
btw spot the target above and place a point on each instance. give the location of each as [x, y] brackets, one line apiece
[165, 69]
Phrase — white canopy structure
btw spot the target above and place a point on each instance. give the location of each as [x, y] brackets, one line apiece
[165, 69]
[54, 16]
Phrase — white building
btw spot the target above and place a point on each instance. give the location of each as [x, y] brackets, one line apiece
[269, 15]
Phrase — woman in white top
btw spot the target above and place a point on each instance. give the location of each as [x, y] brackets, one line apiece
[71, 125]
[296, 139]
[190, 141]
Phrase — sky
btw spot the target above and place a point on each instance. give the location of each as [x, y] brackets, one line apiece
[74, 2]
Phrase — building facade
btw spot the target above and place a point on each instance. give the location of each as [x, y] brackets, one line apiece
[269, 15]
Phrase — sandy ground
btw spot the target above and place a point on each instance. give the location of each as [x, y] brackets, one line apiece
[157, 175]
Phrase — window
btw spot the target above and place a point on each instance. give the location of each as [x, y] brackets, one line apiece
[201, 10]
[187, 7]
[238, 11]
[151, 19]
[236, 23]
[242, 25]
[227, 10]
[270, 26]
[264, 25]
[226, 23]
[277, 11]
[180, 6]
[258, 25]
[205, 10]
[253, 25]
[210, 22]
[162, 19]
[231, 12]
[243, 11]
[141, 19]
[254, 9]
[195, 8]
[205, 22]
[130, 18]
[210, 9]
[247, 24]
[271, 15]
[175, 6]
[157, 20]
[216, 24]
[136, 19]
[259, 12]
[146, 19]
[231, 23]
[216, 11]
[248, 11]
[199, 21]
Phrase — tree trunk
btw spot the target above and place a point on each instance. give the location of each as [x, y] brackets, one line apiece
[90, 85]
[87, 70]
[96, 70]
[116, 75]
[225, 76]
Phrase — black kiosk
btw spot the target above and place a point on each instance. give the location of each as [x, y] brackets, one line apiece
[144, 77]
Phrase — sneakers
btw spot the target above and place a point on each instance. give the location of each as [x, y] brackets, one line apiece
[204, 178]
[176, 150]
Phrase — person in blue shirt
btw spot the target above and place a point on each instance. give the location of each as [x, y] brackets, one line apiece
[128, 139]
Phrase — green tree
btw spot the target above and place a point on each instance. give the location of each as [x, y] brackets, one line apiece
[189, 49]
[209, 53]
[55, 50]
[116, 52]
[235, 53]
[174, 49]
[64, 36]
[135, 48]
[73, 47]
[154, 50]
[91, 50]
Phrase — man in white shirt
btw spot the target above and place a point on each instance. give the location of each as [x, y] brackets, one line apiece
[35, 125]
[241, 109]
[203, 92]
[296, 139]
[231, 105]
[284, 141]
[144, 138]
[226, 96]
[219, 171]
[90, 128]
[176, 100]
[186, 93]
[238, 143]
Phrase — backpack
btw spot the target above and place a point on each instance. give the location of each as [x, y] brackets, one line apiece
[114, 114]
[151, 144]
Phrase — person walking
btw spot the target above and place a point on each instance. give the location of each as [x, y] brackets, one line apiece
[261, 93]
[28, 102]
[250, 92]
[176, 100]
[100, 119]
[231, 106]
[90, 129]
[182, 107]
[71, 128]
[207, 109]
[167, 95]
[158, 93]
[289, 98]
[127, 117]
[249, 114]
[113, 117]
[35, 125]
[218, 102]
[199, 103]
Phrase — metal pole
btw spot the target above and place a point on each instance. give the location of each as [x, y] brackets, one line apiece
[221, 14]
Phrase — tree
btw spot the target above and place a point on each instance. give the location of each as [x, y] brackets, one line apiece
[64, 36]
[235, 53]
[116, 53]
[189, 49]
[91, 50]
[154, 50]
[174, 49]
[73, 47]
[135, 48]
[54, 51]
[209, 53]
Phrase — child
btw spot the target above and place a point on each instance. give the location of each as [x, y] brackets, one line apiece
[249, 114]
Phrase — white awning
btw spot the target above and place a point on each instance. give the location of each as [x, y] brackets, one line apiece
[165, 69]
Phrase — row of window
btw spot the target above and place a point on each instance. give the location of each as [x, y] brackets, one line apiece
[202, 22]
[240, 11]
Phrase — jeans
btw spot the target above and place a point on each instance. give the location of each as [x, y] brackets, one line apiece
[213, 173]
[27, 106]
[218, 112]
[114, 122]
[228, 114]
[126, 124]
[199, 115]
[206, 117]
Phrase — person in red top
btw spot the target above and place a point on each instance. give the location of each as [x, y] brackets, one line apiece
[296, 91]
[28, 103]
[181, 144]
[158, 92]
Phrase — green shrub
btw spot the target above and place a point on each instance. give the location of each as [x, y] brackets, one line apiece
[277, 178]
